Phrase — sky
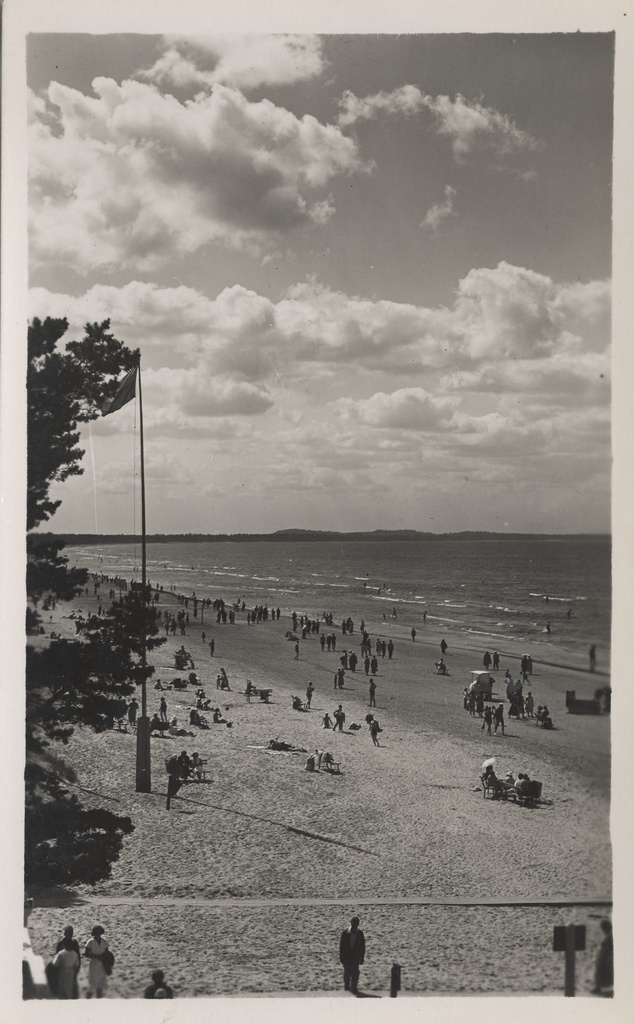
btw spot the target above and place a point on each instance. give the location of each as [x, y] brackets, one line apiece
[369, 275]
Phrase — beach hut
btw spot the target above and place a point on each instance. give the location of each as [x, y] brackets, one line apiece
[481, 682]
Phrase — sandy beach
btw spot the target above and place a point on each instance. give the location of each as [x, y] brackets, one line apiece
[222, 890]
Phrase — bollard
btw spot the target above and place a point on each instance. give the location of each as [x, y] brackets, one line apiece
[395, 980]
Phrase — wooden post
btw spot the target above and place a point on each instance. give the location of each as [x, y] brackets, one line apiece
[569, 980]
[569, 939]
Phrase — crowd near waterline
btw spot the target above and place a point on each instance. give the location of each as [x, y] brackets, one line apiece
[200, 621]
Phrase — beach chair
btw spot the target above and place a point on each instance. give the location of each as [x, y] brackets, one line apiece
[494, 787]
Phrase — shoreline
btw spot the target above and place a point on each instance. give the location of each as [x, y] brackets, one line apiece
[402, 820]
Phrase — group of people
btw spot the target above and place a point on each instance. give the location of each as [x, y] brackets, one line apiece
[64, 969]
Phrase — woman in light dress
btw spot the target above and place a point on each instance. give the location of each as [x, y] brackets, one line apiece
[97, 977]
[67, 963]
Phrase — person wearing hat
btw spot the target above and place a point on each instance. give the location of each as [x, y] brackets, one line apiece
[352, 954]
[94, 951]
[158, 989]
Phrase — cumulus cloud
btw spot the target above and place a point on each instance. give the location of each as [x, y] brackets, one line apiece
[245, 61]
[467, 124]
[200, 395]
[405, 409]
[440, 211]
[501, 316]
[130, 176]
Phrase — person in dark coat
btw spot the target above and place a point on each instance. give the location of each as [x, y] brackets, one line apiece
[352, 954]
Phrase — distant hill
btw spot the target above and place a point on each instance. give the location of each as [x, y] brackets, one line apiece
[307, 535]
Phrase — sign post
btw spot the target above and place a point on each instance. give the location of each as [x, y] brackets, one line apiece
[569, 938]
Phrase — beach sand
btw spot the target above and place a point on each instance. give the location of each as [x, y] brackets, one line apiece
[245, 884]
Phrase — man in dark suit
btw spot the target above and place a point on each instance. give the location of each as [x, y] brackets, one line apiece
[352, 954]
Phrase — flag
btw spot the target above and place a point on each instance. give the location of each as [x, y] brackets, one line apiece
[125, 394]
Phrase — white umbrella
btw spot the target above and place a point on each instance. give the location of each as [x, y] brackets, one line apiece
[489, 761]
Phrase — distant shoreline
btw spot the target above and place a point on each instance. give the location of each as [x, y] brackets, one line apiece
[311, 535]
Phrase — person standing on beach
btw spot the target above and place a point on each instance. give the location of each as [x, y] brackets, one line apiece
[529, 704]
[390, 649]
[69, 943]
[67, 962]
[486, 661]
[212, 647]
[488, 718]
[413, 634]
[443, 647]
[366, 664]
[352, 955]
[374, 666]
[95, 949]
[496, 661]
[592, 654]
[309, 694]
[133, 707]
[339, 716]
[163, 709]
[499, 718]
[604, 965]
[372, 693]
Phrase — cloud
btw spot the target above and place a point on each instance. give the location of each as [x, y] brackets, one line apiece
[440, 211]
[405, 409]
[500, 317]
[243, 62]
[197, 394]
[131, 177]
[468, 125]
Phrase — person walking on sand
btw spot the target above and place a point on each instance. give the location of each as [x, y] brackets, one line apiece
[352, 955]
[374, 732]
[372, 693]
[499, 718]
[95, 949]
[309, 694]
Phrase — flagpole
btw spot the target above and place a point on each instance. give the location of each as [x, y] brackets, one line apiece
[143, 773]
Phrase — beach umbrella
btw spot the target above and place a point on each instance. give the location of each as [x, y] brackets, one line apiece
[489, 761]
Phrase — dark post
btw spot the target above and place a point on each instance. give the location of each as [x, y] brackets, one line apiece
[395, 980]
[143, 774]
[569, 938]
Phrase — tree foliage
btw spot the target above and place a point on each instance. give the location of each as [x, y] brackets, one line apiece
[82, 681]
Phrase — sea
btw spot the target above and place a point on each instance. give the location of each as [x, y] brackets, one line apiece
[497, 592]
